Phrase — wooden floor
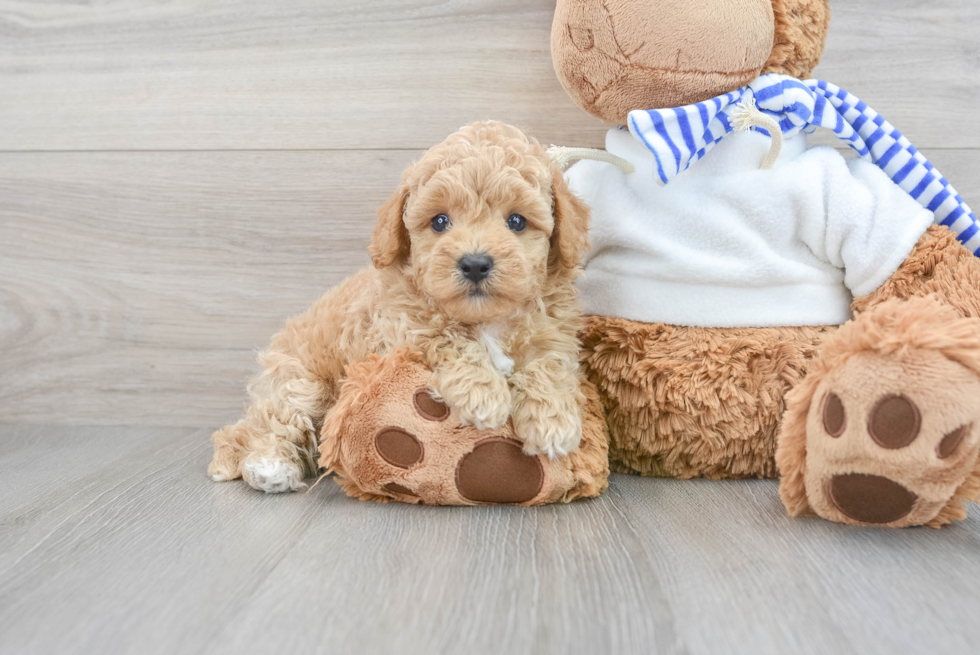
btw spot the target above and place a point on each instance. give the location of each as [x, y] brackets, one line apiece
[112, 540]
[178, 177]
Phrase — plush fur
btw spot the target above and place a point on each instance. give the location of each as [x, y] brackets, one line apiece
[378, 395]
[416, 295]
[694, 402]
[800, 32]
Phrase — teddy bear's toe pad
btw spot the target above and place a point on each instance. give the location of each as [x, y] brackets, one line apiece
[399, 447]
[834, 416]
[894, 421]
[952, 441]
[428, 407]
[498, 471]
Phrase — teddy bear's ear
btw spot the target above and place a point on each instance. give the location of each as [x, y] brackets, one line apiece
[389, 241]
[801, 32]
[570, 237]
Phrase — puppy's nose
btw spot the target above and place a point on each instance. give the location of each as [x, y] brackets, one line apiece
[475, 267]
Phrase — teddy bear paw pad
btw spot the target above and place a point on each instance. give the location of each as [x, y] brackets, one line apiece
[871, 498]
[428, 407]
[399, 447]
[498, 471]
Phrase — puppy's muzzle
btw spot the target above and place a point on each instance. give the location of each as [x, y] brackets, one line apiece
[475, 268]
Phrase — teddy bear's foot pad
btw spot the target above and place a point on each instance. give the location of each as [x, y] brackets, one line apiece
[498, 471]
[871, 498]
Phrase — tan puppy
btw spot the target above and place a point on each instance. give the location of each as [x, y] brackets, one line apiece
[474, 261]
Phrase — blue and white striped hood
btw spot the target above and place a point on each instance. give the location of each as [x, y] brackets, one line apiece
[680, 136]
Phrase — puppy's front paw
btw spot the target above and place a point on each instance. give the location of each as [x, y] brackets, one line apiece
[482, 399]
[551, 426]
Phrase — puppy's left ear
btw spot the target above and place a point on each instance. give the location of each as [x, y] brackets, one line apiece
[570, 238]
[389, 241]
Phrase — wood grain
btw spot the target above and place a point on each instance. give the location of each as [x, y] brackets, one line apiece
[326, 74]
[137, 287]
[113, 540]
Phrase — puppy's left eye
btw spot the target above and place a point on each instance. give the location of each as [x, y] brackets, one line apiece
[516, 223]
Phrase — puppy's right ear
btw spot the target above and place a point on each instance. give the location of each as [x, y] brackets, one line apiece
[389, 242]
[570, 239]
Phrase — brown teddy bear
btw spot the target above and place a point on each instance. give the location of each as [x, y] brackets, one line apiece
[388, 439]
[723, 265]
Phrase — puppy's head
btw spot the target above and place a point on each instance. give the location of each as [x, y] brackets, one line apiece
[483, 222]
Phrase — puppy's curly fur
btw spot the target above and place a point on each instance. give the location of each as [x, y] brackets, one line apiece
[505, 346]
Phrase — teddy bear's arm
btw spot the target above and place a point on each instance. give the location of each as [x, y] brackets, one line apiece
[854, 217]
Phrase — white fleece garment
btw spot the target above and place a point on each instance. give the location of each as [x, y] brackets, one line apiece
[725, 244]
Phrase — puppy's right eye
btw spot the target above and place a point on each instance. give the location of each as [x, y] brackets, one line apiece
[440, 223]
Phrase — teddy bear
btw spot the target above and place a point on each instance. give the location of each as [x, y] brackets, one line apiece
[388, 439]
[757, 307]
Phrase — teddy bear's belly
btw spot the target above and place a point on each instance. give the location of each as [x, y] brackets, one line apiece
[694, 402]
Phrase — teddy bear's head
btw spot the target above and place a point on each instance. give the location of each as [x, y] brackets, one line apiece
[613, 56]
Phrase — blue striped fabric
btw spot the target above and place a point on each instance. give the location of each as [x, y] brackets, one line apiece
[680, 136]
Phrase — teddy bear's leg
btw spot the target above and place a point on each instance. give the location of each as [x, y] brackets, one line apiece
[274, 446]
[694, 402]
[885, 428]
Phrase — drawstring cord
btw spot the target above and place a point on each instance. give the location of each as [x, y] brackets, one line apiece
[564, 156]
[746, 115]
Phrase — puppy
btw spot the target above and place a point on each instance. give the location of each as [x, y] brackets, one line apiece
[475, 258]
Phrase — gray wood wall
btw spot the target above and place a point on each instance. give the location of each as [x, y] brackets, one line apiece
[176, 177]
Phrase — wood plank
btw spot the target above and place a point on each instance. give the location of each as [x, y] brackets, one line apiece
[137, 287]
[136, 550]
[395, 74]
